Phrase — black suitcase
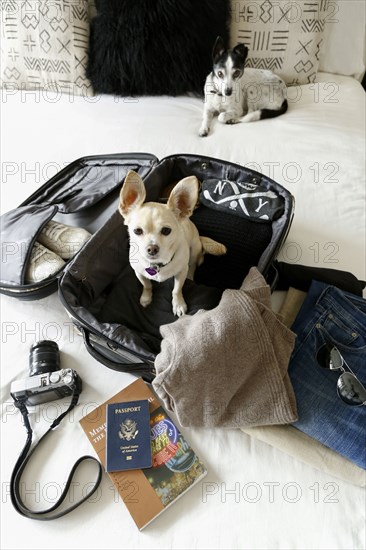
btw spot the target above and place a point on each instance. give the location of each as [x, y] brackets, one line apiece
[98, 287]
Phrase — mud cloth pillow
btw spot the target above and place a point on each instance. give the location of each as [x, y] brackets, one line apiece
[154, 48]
[285, 37]
[44, 46]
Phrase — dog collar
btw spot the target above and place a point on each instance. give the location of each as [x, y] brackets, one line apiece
[155, 268]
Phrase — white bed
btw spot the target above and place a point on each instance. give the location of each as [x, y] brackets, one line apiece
[254, 495]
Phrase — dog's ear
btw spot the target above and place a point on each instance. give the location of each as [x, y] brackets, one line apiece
[219, 48]
[242, 50]
[132, 194]
[184, 197]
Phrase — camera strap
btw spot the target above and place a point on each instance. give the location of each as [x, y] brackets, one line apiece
[23, 460]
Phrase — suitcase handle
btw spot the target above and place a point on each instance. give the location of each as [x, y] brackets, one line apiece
[145, 370]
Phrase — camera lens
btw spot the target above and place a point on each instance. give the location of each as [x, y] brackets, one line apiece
[44, 357]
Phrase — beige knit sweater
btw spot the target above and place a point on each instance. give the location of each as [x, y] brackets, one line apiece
[227, 367]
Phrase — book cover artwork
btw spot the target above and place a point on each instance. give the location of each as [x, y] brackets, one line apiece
[175, 465]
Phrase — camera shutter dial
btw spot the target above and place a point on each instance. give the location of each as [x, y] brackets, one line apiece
[67, 377]
[54, 377]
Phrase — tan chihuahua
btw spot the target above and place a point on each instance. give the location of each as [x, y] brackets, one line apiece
[164, 242]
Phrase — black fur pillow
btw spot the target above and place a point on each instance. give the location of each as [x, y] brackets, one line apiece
[159, 47]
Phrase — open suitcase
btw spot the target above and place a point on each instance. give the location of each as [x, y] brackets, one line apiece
[98, 287]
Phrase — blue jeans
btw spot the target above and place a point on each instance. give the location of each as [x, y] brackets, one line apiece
[330, 315]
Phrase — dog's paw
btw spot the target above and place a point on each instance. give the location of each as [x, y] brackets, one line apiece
[179, 306]
[223, 117]
[203, 131]
[146, 298]
[227, 118]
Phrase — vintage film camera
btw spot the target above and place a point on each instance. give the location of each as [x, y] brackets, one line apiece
[46, 380]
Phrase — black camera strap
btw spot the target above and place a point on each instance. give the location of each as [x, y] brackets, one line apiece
[24, 457]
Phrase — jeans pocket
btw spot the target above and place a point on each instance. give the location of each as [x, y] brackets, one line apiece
[340, 333]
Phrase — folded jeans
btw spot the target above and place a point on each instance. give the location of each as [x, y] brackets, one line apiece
[330, 316]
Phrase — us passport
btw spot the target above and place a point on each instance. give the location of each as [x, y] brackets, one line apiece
[128, 445]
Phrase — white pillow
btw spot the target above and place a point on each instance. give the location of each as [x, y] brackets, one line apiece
[44, 45]
[284, 36]
[343, 50]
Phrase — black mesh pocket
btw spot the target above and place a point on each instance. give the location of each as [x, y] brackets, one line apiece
[245, 241]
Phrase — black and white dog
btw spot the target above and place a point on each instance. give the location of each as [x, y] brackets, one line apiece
[231, 91]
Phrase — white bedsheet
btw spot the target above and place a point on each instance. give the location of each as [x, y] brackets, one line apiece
[254, 496]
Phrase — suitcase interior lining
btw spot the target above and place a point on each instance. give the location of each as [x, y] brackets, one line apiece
[102, 288]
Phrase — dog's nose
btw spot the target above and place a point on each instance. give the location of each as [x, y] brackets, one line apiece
[228, 91]
[152, 249]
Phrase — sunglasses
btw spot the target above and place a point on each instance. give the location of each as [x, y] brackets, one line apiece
[349, 388]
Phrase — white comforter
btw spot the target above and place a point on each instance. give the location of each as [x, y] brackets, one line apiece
[254, 496]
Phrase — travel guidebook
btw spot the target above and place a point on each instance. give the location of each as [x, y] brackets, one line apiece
[175, 466]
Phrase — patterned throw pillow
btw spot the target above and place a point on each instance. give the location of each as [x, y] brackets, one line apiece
[283, 36]
[44, 45]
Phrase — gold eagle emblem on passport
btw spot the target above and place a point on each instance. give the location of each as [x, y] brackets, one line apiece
[128, 430]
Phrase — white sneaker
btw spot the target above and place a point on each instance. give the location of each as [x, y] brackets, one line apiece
[42, 264]
[63, 239]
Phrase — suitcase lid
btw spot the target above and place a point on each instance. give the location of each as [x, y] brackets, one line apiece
[83, 194]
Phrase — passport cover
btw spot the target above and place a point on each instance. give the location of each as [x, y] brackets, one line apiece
[176, 467]
[128, 445]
